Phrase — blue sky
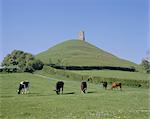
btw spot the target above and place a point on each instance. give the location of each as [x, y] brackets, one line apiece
[118, 26]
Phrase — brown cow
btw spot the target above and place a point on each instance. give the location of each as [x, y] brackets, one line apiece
[116, 85]
[83, 86]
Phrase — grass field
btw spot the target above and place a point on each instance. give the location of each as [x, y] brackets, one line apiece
[43, 103]
[116, 74]
[132, 79]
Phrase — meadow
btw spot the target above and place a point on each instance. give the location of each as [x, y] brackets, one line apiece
[115, 74]
[132, 79]
[42, 102]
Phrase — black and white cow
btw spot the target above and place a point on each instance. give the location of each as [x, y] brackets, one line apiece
[23, 87]
[83, 86]
[59, 85]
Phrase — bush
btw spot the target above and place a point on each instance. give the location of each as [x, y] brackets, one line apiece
[25, 62]
[146, 65]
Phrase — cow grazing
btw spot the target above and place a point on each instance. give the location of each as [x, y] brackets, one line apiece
[116, 85]
[23, 87]
[59, 85]
[83, 86]
[104, 84]
[140, 85]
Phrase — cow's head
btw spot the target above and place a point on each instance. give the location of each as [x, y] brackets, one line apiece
[57, 92]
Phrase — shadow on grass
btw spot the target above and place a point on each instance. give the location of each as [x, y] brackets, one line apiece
[33, 93]
[91, 92]
[37, 94]
[70, 93]
[6, 96]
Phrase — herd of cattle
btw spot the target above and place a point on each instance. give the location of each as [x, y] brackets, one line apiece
[24, 85]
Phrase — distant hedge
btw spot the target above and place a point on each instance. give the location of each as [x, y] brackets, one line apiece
[131, 69]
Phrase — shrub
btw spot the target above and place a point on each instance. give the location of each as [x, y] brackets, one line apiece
[25, 62]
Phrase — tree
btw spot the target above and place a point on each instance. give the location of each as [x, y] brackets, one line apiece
[146, 65]
[25, 62]
[37, 64]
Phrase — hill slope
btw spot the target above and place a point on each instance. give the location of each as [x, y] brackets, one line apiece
[80, 53]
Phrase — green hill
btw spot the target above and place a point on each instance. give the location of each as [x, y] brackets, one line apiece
[80, 53]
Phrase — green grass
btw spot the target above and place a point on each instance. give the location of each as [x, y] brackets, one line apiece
[132, 79]
[79, 53]
[43, 103]
[116, 74]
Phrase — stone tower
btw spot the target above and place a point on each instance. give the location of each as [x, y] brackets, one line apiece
[81, 36]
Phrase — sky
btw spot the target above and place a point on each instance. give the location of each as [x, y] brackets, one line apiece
[120, 27]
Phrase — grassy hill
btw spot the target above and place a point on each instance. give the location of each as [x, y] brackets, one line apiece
[80, 53]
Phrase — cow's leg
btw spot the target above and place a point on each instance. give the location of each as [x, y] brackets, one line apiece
[58, 91]
[25, 90]
[120, 87]
[19, 90]
[22, 91]
[84, 90]
[62, 89]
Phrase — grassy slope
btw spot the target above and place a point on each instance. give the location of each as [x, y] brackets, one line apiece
[43, 103]
[116, 74]
[132, 79]
[79, 53]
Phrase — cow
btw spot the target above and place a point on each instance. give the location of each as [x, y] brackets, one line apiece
[116, 85]
[59, 85]
[23, 87]
[104, 84]
[140, 85]
[83, 86]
